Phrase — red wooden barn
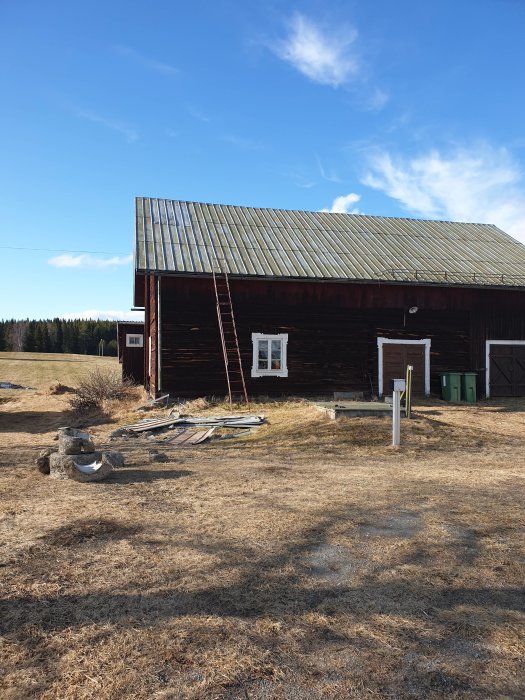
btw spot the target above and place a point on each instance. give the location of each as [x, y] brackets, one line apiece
[319, 302]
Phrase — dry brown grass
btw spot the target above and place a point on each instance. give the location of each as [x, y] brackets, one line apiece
[307, 560]
[39, 370]
[31, 417]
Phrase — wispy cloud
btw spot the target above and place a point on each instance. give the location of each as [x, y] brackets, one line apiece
[198, 115]
[240, 142]
[145, 61]
[110, 315]
[89, 261]
[327, 174]
[299, 179]
[343, 204]
[324, 55]
[481, 184]
[376, 100]
[304, 184]
[122, 128]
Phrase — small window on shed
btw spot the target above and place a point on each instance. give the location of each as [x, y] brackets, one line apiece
[269, 355]
[134, 340]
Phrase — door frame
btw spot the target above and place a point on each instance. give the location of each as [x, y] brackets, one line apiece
[381, 342]
[488, 343]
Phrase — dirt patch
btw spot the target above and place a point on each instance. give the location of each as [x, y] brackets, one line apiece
[333, 563]
[401, 525]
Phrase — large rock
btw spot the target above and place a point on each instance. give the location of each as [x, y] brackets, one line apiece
[42, 462]
[95, 466]
[115, 458]
[74, 442]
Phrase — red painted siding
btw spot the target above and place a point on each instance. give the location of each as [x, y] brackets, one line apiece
[332, 327]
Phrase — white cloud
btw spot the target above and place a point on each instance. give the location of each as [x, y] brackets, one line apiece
[329, 175]
[158, 66]
[325, 56]
[89, 261]
[197, 114]
[105, 315]
[482, 184]
[342, 204]
[124, 129]
[376, 100]
[240, 142]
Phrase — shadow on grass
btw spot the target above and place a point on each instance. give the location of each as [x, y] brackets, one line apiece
[274, 585]
[32, 421]
[89, 532]
[35, 422]
[404, 620]
[137, 475]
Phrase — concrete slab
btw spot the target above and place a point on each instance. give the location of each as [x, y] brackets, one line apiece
[354, 409]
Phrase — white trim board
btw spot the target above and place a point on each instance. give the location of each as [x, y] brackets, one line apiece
[397, 341]
[488, 343]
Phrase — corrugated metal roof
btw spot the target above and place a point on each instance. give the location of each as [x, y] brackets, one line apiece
[181, 237]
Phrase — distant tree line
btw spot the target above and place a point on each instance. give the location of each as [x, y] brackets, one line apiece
[58, 335]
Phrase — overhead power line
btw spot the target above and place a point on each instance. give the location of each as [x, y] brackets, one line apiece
[64, 250]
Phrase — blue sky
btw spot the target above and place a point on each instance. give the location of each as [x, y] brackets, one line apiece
[413, 108]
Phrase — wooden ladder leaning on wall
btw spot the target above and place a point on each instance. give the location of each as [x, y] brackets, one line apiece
[229, 340]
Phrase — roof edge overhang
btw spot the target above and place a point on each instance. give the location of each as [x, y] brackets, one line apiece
[335, 280]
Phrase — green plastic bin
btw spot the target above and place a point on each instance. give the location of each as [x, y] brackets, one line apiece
[451, 386]
[468, 387]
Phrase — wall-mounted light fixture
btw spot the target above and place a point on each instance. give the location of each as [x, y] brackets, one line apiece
[411, 310]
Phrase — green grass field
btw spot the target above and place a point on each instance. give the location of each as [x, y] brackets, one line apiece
[36, 369]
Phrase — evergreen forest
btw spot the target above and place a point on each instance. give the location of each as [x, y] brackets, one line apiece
[59, 335]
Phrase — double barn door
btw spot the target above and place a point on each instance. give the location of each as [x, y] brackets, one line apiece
[396, 357]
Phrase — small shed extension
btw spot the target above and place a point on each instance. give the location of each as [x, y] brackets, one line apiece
[130, 340]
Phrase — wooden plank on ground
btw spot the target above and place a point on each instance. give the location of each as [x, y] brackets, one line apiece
[151, 424]
[189, 437]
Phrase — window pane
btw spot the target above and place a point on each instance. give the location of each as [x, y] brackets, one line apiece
[263, 354]
[276, 354]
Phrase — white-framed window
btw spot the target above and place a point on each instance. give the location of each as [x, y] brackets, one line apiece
[134, 340]
[269, 355]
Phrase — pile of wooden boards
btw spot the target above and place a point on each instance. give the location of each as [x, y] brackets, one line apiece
[209, 421]
[192, 430]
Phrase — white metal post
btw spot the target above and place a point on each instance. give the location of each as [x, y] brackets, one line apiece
[396, 418]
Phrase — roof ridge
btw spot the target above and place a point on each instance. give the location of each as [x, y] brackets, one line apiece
[317, 211]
